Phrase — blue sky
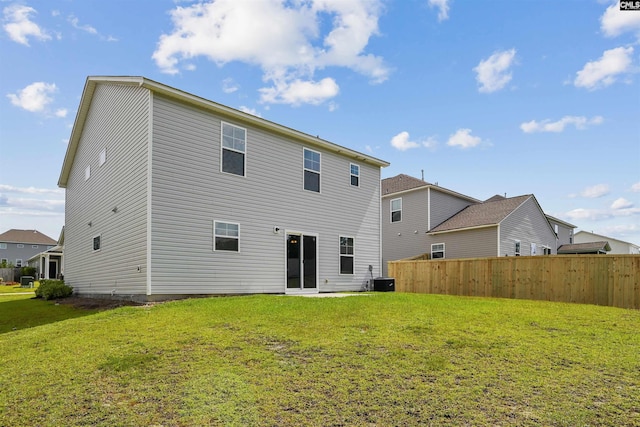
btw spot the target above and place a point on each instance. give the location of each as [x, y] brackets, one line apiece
[485, 97]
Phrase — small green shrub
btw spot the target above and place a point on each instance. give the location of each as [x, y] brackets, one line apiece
[52, 289]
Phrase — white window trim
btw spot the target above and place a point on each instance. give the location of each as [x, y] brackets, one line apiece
[103, 157]
[93, 240]
[319, 172]
[34, 246]
[444, 247]
[4, 260]
[87, 173]
[244, 153]
[352, 175]
[19, 262]
[20, 245]
[3, 246]
[221, 221]
[517, 248]
[391, 211]
[340, 255]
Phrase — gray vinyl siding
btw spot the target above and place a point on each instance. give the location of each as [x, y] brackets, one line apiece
[406, 238]
[13, 253]
[189, 193]
[526, 224]
[444, 206]
[118, 121]
[564, 233]
[473, 243]
[417, 206]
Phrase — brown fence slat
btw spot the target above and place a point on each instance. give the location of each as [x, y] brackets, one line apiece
[612, 280]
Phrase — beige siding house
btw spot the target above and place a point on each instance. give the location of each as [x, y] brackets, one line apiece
[170, 194]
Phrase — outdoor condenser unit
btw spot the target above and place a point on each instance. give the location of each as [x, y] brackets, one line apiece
[384, 284]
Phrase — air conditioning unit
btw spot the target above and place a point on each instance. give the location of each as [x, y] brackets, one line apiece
[384, 284]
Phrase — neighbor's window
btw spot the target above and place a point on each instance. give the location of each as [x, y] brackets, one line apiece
[517, 249]
[18, 263]
[103, 156]
[3, 246]
[546, 250]
[20, 245]
[437, 250]
[355, 175]
[534, 249]
[346, 255]
[97, 242]
[87, 173]
[4, 261]
[571, 236]
[234, 149]
[396, 210]
[226, 236]
[311, 170]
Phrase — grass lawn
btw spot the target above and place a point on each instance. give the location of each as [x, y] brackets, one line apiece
[381, 360]
[4, 289]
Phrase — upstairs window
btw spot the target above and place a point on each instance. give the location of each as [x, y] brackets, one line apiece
[34, 246]
[234, 149]
[355, 175]
[18, 263]
[3, 246]
[346, 255]
[311, 170]
[437, 250]
[396, 210]
[97, 242]
[226, 236]
[20, 245]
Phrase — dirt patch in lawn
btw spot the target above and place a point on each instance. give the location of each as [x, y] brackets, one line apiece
[96, 303]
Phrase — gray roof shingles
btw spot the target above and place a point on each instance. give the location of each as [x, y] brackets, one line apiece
[482, 214]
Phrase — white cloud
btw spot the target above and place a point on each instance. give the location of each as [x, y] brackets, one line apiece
[75, 22]
[30, 190]
[229, 86]
[430, 142]
[493, 73]
[443, 8]
[300, 92]
[621, 203]
[61, 112]
[635, 187]
[587, 214]
[580, 122]
[34, 97]
[615, 21]
[251, 111]
[401, 142]
[20, 27]
[463, 139]
[595, 191]
[602, 72]
[282, 38]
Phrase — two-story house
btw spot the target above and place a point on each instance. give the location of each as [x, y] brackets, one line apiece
[171, 194]
[17, 246]
[419, 217]
[411, 207]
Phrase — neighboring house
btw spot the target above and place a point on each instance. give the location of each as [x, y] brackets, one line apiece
[49, 264]
[500, 226]
[584, 248]
[564, 231]
[17, 246]
[169, 194]
[617, 246]
[419, 218]
[410, 208]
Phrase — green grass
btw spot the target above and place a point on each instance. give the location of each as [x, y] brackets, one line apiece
[5, 289]
[24, 311]
[385, 359]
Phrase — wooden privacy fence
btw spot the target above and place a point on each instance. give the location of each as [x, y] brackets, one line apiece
[612, 280]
